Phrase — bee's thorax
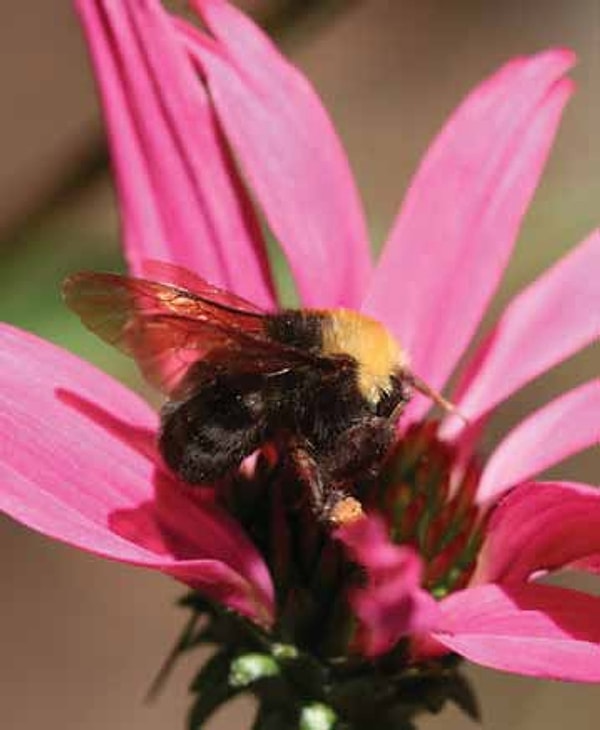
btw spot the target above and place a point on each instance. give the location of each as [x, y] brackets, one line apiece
[377, 354]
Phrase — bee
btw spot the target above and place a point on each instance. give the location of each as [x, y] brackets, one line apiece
[325, 386]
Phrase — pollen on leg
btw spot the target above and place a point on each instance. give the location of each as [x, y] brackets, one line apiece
[345, 512]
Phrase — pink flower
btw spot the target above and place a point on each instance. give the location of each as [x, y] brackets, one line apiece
[77, 457]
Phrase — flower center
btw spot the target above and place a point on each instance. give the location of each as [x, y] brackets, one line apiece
[427, 500]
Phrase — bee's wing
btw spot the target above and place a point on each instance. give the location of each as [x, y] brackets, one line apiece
[167, 329]
[196, 286]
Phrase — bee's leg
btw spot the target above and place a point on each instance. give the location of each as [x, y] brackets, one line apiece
[307, 469]
[359, 451]
[331, 504]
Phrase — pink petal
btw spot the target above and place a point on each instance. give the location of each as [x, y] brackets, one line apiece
[565, 426]
[552, 319]
[539, 527]
[529, 629]
[290, 154]
[180, 196]
[78, 463]
[589, 564]
[391, 604]
[456, 230]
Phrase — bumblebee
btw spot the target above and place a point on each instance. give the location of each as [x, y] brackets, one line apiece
[325, 386]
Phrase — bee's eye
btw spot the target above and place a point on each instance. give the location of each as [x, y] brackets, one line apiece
[397, 394]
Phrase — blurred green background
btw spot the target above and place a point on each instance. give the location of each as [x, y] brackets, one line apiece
[81, 638]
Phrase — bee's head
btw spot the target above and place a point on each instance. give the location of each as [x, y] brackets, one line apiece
[394, 399]
[404, 383]
[384, 377]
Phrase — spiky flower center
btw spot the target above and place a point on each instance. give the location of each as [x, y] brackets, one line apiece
[307, 670]
[427, 500]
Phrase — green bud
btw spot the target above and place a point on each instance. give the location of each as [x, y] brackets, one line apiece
[249, 668]
[317, 716]
[284, 651]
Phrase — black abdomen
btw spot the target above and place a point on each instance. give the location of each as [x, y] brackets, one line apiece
[204, 436]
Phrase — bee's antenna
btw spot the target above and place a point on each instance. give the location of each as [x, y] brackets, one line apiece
[436, 397]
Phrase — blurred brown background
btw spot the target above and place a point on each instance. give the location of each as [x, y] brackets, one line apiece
[81, 638]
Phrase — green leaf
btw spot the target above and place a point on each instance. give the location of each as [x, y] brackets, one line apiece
[215, 671]
[270, 719]
[463, 695]
[196, 602]
[212, 685]
[184, 642]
